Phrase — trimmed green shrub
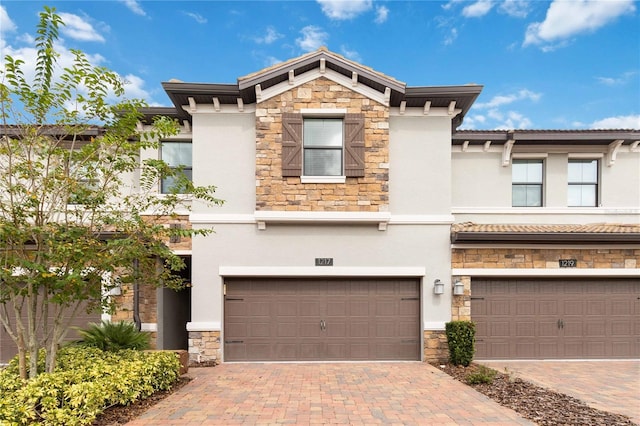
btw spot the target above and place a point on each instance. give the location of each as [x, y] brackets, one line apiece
[481, 375]
[86, 381]
[461, 340]
[113, 336]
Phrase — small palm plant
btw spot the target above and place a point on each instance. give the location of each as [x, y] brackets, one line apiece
[113, 336]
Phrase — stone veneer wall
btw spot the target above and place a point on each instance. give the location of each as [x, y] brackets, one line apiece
[368, 193]
[204, 346]
[513, 258]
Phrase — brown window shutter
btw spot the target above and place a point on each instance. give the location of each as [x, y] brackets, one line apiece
[354, 145]
[291, 144]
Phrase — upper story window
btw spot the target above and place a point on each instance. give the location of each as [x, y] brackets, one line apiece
[178, 156]
[526, 183]
[323, 144]
[582, 176]
[324, 147]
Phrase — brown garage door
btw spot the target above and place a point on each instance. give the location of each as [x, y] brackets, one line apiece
[321, 319]
[556, 319]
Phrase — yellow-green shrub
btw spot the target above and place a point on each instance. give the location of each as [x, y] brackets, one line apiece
[85, 382]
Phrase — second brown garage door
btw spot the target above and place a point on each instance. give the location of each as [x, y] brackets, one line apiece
[556, 319]
[321, 319]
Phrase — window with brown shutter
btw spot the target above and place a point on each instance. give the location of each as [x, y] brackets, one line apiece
[322, 146]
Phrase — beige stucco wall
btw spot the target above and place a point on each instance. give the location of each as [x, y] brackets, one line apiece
[481, 190]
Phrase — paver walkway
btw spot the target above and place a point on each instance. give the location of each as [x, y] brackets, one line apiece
[315, 394]
[612, 386]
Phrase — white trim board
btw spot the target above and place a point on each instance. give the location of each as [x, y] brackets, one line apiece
[321, 271]
[204, 326]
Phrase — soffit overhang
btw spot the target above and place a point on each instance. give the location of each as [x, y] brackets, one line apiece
[471, 233]
[398, 94]
[546, 137]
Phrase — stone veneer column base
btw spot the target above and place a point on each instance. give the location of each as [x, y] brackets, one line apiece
[204, 346]
[436, 348]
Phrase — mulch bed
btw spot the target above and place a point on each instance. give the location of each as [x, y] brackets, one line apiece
[540, 405]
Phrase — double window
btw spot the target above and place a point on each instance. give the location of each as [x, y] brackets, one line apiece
[582, 176]
[177, 155]
[526, 186]
[325, 147]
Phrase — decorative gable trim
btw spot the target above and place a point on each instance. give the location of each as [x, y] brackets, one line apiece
[334, 76]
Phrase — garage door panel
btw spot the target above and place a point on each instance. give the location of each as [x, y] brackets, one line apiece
[575, 318]
[499, 307]
[525, 307]
[316, 319]
[525, 328]
[547, 328]
[500, 329]
[548, 307]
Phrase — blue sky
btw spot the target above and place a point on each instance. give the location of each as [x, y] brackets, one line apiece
[572, 64]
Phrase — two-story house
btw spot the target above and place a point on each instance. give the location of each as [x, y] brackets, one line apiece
[358, 220]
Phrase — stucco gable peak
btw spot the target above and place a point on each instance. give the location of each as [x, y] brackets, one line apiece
[320, 59]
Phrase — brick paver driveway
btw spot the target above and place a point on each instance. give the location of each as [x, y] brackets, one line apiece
[612, 386]
[338, 393]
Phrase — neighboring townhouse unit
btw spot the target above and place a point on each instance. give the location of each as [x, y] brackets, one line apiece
[353, 206]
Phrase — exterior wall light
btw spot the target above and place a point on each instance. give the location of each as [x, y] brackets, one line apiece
[438, 287]
[458, 288]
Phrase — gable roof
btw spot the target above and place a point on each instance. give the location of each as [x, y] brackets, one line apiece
[245, 87]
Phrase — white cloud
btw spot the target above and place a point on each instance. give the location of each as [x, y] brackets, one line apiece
[617, 81]
[134, 87]
[566, 19]
[6, 24]
[312, 38]
[344, 9]
[500, 100]
[270, 36]
[79, 28]
[196, 17]
[619, 122]
[350, 54]
[510, 120]
[134, 6]
[451, 37]
[515, 8]
[477, 9]
[382, 14]
[450, 4]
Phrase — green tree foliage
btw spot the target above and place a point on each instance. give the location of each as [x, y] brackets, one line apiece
[78, 207]
[113, 336]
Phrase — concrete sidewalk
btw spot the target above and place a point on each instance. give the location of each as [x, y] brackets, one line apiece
[411, 393]
[612, 386]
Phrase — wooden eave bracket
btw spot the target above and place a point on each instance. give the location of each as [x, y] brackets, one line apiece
[354, 79]
[187, 126]
[258, 93]
[486, 147]
[216, 104]
[452, 107]
[465, 146]
[612, 153]
[323, 65]
[192, 104]
[387, 94]
[427, 107]
[240, 105]
[292, 78]
[634, 147]
[403, 107]
[506, 152]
